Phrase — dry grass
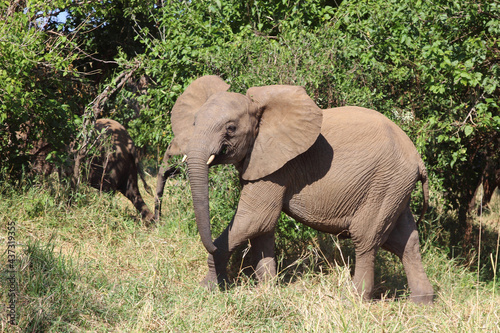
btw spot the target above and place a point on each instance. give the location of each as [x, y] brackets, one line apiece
[491, 212]
[128, 278]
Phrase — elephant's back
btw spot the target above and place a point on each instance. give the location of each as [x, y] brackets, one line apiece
[119, 155]
[112, 126]
[366, 131]
[122, 142]
[355, 120]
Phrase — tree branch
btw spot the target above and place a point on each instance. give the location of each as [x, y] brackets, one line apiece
[88, 127]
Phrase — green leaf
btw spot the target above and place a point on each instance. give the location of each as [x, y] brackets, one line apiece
[468, 129]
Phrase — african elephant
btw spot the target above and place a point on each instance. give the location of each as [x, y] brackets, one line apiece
[347, 171]
[117, 165]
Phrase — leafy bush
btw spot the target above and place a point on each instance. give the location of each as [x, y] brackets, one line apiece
[39, 90]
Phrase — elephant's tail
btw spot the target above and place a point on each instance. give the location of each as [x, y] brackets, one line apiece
[425, 189]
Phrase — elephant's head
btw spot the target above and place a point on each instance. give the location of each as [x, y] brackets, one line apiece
[258, 133]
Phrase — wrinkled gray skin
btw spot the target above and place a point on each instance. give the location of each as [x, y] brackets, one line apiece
[347, 171]
[120, 164]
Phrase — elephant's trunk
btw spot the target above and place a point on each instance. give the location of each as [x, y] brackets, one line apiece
[198, 178]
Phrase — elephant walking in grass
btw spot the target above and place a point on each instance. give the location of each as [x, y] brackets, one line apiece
[117, 166]
[346, 170]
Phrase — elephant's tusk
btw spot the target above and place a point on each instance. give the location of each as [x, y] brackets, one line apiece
[210, 159]
[184, 158]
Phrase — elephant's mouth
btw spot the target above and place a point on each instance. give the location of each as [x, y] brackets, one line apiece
[224, 150]
[220, 157]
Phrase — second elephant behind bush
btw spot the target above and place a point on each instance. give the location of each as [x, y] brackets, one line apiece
[116, 167]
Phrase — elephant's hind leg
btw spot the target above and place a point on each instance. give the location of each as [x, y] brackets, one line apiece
[366, 243]
[403, 241]
[364, 272]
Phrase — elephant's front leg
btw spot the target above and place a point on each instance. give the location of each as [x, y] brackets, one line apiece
[217, 263]
[263, 258]
[255, 220]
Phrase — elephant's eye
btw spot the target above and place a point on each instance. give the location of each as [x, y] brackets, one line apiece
[231, 128]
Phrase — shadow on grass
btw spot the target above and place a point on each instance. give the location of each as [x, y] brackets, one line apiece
[320, 256]
[52, 294]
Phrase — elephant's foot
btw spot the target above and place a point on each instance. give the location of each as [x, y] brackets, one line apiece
[149, 220]
[263, 257]
[363, 293]
[422, 299]
[423, 293]
[217, 276]
[214, 283]
[265, 270]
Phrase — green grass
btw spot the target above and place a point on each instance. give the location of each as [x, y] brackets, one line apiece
[85, 263]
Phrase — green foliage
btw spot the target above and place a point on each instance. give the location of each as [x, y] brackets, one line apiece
[37, 93]
[224, 195]
[449, 54]
[187, 33]
[293, 237]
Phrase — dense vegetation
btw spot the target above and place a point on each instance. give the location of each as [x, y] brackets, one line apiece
[432, 67]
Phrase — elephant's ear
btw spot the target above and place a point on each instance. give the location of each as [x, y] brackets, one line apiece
[188, 104]
[290, 123]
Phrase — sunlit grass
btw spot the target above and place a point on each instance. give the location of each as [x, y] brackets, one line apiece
[490, 216]
[104, 271]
